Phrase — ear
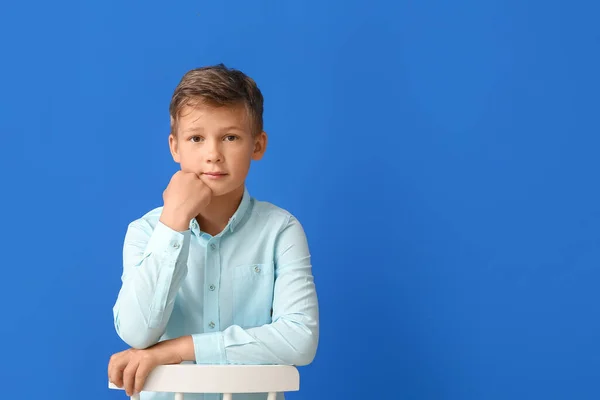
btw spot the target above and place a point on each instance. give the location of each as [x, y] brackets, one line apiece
[173, 146]
[260, 146]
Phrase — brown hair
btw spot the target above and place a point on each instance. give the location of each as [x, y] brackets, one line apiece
[217, 86]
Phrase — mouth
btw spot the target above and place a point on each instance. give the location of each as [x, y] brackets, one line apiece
[214, 175]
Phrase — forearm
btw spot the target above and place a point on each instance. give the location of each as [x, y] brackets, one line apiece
[285, 342]
[151, 278]
[175, 351]
[137, 322]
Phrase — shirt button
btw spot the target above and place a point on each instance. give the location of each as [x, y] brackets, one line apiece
[211, 325]
[257, 269]
[213, 246]
[212, 287]
[176, 245]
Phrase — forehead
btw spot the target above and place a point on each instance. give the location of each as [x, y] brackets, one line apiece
[211, 118]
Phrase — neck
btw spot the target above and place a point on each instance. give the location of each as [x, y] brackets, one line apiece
[221, 208]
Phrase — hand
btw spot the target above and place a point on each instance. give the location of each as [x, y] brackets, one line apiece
[184, 198]
[130, 368]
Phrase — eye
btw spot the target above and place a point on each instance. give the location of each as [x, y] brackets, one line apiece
[231, 138]
[196, 139]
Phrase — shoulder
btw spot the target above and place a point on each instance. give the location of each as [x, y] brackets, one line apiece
[283, 228]
[275, 218]
[266, 210]
[146, 222]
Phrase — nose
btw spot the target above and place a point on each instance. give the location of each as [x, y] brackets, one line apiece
[213, 152]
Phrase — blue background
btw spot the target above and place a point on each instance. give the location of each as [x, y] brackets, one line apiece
[442, 157]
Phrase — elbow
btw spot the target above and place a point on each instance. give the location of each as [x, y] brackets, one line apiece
[303, 349]
[138, 341]
[305, 355]
[135, 337]
[302, 360]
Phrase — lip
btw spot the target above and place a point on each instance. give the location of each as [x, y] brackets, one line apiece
[214, 175]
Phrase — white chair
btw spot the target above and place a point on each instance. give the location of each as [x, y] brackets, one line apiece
[226, 379]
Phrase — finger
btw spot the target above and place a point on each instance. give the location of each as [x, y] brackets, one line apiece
[115, 369]
[129, 376]
[197, 176]
[141, 375]
[109, 367]
[112, 360]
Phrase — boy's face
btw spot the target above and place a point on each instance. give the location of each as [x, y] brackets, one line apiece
[217, 145]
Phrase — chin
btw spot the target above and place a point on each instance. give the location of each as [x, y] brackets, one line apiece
[221, 189]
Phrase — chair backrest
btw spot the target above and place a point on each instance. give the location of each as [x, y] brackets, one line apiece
[226, 379]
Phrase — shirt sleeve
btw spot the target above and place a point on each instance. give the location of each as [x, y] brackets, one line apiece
[293, 335]
[154, 267]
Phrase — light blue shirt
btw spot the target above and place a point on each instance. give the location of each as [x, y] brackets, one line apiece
[246, 295]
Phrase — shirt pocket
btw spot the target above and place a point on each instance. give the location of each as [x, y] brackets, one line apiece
[252, 294]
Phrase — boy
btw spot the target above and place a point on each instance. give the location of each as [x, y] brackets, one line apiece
[214, 276]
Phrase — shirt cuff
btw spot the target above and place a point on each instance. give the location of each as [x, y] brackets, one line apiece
[209, 348]
[166, 241]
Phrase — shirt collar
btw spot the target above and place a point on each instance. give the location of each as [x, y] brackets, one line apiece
[235, 219]
[239, 214]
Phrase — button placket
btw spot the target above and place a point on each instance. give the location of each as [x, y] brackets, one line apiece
[212, 276]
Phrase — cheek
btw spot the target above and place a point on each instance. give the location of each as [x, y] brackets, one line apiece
[188, 162]
[243, 158]
[188, 153]
[239, 155]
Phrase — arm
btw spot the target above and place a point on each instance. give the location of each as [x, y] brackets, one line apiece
[154, 267]
[155, 262]
[290, 339]
[293, 335]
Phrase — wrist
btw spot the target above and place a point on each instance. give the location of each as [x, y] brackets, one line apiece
[175, 219]
[174, 351]
[185, 348]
